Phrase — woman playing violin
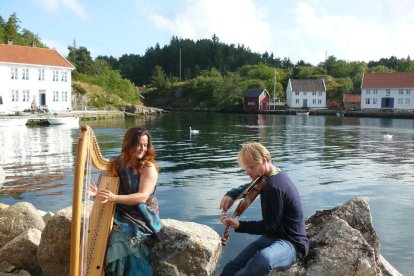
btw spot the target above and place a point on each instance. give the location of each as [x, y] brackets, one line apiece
[282, 239]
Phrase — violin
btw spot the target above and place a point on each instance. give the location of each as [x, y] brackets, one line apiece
[249, 195]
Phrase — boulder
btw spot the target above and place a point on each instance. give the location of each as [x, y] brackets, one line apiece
[16, 219]
[186, 248]
[54, 248]
[22, 251]
[342, 242]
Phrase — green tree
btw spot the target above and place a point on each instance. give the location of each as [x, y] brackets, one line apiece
[159, 79]
[30, 38]
[81, 59]
[11, 30]
[380, 69]
[405, 65]
[230, 92]
[2, 31]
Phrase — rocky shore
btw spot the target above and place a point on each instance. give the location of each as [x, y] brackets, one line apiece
[342, 242]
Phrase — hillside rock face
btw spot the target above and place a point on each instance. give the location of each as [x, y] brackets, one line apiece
[342, 242]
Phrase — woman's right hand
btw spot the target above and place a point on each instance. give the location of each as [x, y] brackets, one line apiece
[226, 203]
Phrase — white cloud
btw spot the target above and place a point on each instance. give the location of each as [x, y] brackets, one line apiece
[232, 21]
[54, 5]
[352, 38]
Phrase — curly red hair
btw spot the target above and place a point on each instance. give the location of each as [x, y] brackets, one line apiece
[131, 140]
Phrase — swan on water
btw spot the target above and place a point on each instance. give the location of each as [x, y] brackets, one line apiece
[194, 131]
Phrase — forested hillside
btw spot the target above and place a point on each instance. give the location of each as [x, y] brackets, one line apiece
[206, 73]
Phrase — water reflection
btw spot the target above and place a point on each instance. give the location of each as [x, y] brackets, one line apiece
[34, 159]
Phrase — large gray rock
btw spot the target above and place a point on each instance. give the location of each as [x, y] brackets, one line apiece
[186, 248]
[22, 251]
[54, 248]
[342, 242]
[16, 219]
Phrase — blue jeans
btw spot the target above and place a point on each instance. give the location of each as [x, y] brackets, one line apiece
[262, 256]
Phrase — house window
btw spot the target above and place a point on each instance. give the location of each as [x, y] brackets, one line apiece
[375, 91]
[319, 101]
[64, 76]
[25, 74]
[401, 91]
[374, 100]
[367, 100]
[297, 101]
[368, 91]
[55, 75]
[26, 95]
[408, 91]
[407, 101]
[387, 92]
[41, 74]
[320, 93]
[15, 95]
[314, 101]
[55, 96]
[64, 96]
[313, 93]
[14, 74]
[296, 93]
[251, 103]
[304, 93]
[1, 100]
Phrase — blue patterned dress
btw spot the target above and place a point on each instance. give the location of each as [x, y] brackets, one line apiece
[128, 253]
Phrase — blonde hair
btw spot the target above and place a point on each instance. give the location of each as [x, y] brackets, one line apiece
[253, 151]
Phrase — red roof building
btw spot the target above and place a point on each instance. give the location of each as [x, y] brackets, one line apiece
[387, 91]
[32, 76]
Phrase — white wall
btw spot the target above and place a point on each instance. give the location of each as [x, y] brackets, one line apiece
[403, 100]
[33, 85]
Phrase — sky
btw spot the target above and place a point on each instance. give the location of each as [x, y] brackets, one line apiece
[352, 30]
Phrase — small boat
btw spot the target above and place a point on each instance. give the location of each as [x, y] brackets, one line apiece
[302, 112]
[10, 122]
[63, 120]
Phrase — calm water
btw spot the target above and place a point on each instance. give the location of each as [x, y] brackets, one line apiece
[331, 160]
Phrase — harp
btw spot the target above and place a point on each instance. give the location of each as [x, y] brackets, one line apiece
[90, 225]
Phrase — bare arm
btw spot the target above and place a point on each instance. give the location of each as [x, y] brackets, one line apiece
[148, 180]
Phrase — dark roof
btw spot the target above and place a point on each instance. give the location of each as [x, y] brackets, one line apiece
[308, 85]
[32, 55]
[388, 80]
[255, 92]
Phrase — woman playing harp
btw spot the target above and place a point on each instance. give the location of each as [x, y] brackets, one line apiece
[136, 208]
[136, 214]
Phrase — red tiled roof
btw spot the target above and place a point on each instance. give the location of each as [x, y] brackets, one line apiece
[32, 55]
[388, 80]
[351, 98]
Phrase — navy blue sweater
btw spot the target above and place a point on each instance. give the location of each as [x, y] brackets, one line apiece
[282, 213]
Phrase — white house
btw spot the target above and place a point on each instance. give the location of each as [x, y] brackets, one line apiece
[387, 91]
[34, 75]
[306, 93]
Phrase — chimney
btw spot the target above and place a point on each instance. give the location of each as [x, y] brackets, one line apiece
[9, 41]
